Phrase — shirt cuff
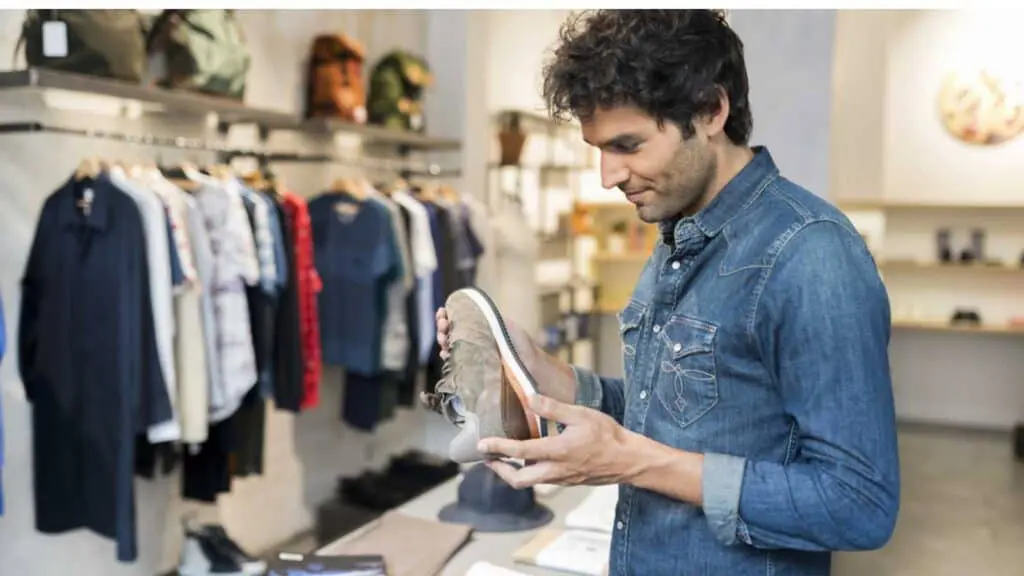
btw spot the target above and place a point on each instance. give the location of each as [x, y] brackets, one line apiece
[588, 388]
[721, 484]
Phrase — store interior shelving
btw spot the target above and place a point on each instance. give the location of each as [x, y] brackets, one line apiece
[157, 100]
[927, 290]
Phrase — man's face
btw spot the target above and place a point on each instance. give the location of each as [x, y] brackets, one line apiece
[662, 174]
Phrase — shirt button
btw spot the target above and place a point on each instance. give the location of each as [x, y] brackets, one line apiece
[619, 525]
[675, 265]
[657, 328]
[677, 347]
[643, 394]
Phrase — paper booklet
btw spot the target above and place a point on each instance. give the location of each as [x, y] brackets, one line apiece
[487, 569]
[582, 552]
[597, 511]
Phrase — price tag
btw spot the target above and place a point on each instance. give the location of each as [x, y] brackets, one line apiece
[55, 39]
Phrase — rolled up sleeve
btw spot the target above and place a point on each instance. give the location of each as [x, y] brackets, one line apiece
[721, 485]
[822, 325]
[600, 393]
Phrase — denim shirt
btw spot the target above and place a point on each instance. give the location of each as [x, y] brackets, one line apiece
[757, 335]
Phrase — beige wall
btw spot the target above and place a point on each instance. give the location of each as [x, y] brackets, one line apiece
[888, 142]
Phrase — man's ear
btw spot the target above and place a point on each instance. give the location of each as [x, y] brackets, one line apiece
[713, 123]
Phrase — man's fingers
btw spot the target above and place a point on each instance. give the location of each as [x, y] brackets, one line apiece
[558, 411]
[527, 476]
[534, 449]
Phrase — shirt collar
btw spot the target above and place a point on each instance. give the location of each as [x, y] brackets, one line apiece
[735, 196]
[70, 215]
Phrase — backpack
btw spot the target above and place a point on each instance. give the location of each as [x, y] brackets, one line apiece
[334, 85]
[203, 50]
[396, 91]
[104, 43]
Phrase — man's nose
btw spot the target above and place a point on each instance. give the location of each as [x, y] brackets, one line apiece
[613, 171]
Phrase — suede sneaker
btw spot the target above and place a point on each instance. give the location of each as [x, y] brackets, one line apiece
[484, 387]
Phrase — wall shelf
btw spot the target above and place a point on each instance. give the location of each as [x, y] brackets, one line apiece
[958, 267]
[167, 100]
[376, 134]
[902, 204]
[228, 111]
[940, 326]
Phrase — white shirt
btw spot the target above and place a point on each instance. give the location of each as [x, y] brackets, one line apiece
[234, 265]
[154, 223]
[189, 342]
[424, 257]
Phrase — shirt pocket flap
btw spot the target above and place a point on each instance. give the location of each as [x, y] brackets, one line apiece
[631, 316]
[686, 336]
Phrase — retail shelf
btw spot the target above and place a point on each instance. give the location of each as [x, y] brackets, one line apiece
[907, 204]
[942, 326]
[228, 111]
[959, 267]
[542, 167]
[180, 101]
[378, 135]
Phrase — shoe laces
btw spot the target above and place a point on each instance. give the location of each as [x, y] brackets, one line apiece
[444, 400]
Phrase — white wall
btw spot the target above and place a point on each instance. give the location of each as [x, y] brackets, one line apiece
[922, 161]
[304, 454]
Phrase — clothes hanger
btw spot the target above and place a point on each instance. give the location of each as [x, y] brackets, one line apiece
[88, 169]
[350, 187]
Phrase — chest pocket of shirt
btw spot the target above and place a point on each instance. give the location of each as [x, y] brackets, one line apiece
[630, 320]
[688, 387]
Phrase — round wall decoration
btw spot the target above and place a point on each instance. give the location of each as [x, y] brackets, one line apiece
[982, 108]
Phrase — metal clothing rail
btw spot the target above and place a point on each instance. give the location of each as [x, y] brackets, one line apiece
[227, 153]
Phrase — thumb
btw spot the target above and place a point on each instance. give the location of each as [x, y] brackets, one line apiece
[558, 411]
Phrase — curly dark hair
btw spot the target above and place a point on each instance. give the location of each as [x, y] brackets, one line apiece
[672, 64]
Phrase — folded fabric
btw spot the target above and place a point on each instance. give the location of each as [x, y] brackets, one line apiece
[399, 538]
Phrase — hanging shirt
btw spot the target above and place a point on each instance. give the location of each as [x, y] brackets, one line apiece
[202, 256]
[395, 336]
[289, 365]
[193, 400]
[234, 266]
[278, 238]
[88, 359]
[262, 236]
[424, 260]
[154, 225]
[309, 288]
[356, 255]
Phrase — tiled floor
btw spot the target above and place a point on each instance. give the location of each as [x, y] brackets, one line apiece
[962, 510]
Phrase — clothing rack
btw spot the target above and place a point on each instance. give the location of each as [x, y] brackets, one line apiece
[406, 167]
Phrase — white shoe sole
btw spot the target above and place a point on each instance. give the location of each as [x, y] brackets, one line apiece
[522, 382]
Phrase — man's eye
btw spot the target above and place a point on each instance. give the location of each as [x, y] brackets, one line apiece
[625, 148]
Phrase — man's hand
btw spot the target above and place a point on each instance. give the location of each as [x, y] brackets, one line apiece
[593, 449]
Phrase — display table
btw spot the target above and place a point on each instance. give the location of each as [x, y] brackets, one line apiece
[496, 548]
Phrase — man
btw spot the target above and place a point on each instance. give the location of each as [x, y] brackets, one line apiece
[754, 431]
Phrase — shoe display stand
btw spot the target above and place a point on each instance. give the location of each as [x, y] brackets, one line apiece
[496, 548]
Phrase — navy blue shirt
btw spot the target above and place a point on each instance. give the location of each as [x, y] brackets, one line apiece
[88, 360]
[356, 254]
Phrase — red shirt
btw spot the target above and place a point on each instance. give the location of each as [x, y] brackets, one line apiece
[308, 288]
